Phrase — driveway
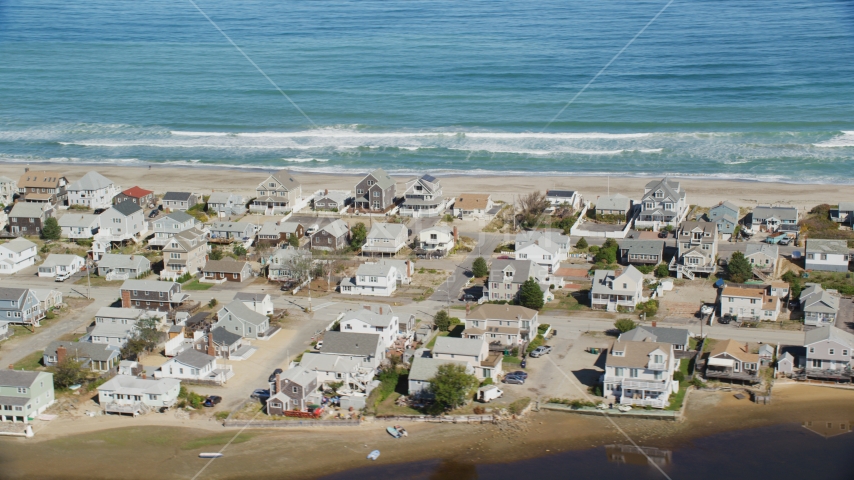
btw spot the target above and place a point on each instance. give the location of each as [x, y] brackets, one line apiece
[845, 316]
[450, 288]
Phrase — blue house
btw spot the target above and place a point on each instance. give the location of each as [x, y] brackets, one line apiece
[725, 215]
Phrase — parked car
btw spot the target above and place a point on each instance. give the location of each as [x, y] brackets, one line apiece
[61, 277]
[311, 230]
[662, 234]
[318, 345]
[273, 375]
[519, 373]
[513, 380]
[725, 319]
[154, 213]
[261, 394]
[540, 351]
[468, 297]
[212, 401]
[785, 241]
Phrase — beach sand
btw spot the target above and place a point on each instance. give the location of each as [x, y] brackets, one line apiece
[703, 192]
[147, 445]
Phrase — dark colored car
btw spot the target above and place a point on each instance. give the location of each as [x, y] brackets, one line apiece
[468, 297]
[273, 375]
[261, 394]
[514, 380]
[213, 400]
[154, 213]
[662, 234]
[725, 320]
[518, 373]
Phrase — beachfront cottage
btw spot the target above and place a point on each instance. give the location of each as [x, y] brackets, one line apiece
[827, 255]
[186, 252]
[79, 225]
[375, 192]
[425, 369]
[678, 337]
[507, 276]
[568, 198]
[221, 343]
[140, 196]
[279, 233]
[281, 264]
[28, 218]
[697, 244]
[42, 187]
[61, 264]
[167, 226]
[546, 249]
[8, 190]
[93, 191]
[766, 218]
[423, 198]
[152, 295]
[20, 306]
[437, 241]
[222, 204]
[366, 348]
[196, 366]
[226, 270]
[641, 252]
[227, 232]
[762, 257]
[820, 307]
[48, 298]
[17, 255]
[377, 279]
[119, 316]
[750, 303]
[123, 267]
[830, 352]
[277, 194]
[844, 213]
[612, 291]
[24, 395]
[474, 351]
[474, 205]
[334, 236]
[510, 325]
[664, 203]
[386, 238]
[237, 318]
[121, 222]
[372, 319]
[732, 360]
[333, 200]
[725, 216]
[96, 357]
[116, 335]
[640, 373]
[616, 204]
[337, 368]
[258, 302]
[134, 395]
[179, 201]
[294, 389]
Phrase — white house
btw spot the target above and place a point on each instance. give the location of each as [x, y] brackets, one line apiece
[237, 318]
[123, 266]
[379, 320]
[378, 279]
[333, 200]
[128, 394]
[827, 255]
[233, 230]
[570, 198]
[664, 203]
[611, 291]
[281, 263]
[386, 238]
[473, 351]
[505, 324]
[473, 205]
[17, 255]
[79, 225]
[438, 240]
[338, 368]
[547, 249]
[122, 316]
[93, 191]
[224, 204]
[169, 225]
[750, 303]
[8, 190]
[424, 369]
[640, 373]
[829, 350]
[366, 348]
[423, 198]
[257, 302]
[116, 335]
[124, 221]
[507, 276]
[767, 218]
[820, 307]
[59, 264]
[192, 364]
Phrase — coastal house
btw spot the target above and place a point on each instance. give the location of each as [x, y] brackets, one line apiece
[258, 302]
[767, 218]
[281, 264]
[134, 395]
[679, 338]
[725, 216]
[121, 222]
[424, 369]
[732, 360]
[664, 203]
[474, 351]
[169, 225]
[762, 257]
[333, 236]
[16, 255]
[568, 198]
[336, 368]
[222, 204]
[60, 264]
[137, 195]
[641, 252]
[423, 198]
[237, 318]
[820, 307]
[48, 298]
[95, 357]
[507, 276]
[76, 226]
[843, 213]
[219, 343]
[277, 194]
[293, 389]
[827, 255]
[332, 200]
[379, 320]
[697, 244]
[502, 324]
[279, 233]
[152, 295]
[8, 190]
[179, 201]
[42, 187]
[24, 395]
[612, 291]
[616, 204]
[749, 303]
[226, 270]
[185, 252]
[194, 365]
[365, 348]
[473, 205]
[830, 351]
[27, 218]
[123, 266]
[375, 192]
[227, 232]
[376, 279]
[546, 249]
[437, 240]
[116, 335]
[119, 316]
[640, 373]
[93, 191]
[386, 238]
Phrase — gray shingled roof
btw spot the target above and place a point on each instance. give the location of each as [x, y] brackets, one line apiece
[425, 368]
[673, 336]
[7, 293]
[783, 213]
[147, 285]
[194, 358]
[95, 351]
[346, 343]
[179, 216]
[838, 247]
[241, 311]
[177, 196]
[84, 220]
[337, 228]
[57, 259]
[118, 260]
[27, 210]
[642, 247]
[616, 201]
[370, 317]
[374, 269]
[18, 245]
[387, 230]
[286, 179]
[764, 248]
[221, 336]
[828, 333]
[91, 181]
[523, 270]
[17, 378]
[383, 179]
[224, 266]
[457, 346]
[127, 208]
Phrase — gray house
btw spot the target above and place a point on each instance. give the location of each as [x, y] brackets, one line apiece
[333, 200]
[293, 389]
[277, 194]
[376, 192]
[725, 215]
[97, 357]
[179, 200]
[646, 252]
[819, 306]
[222, 203]
[827, 255]
[616, 204]
[232, 231]
[20, 306]
[367, 348]
[236, 317]
[131, 265]
[334, 236]
[768, 218]
[169, 225]
[829, 352]
[23, 395]
[678, 337]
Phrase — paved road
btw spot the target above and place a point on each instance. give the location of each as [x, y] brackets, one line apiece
[450, 289]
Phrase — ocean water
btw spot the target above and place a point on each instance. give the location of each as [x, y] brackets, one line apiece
[713, 88]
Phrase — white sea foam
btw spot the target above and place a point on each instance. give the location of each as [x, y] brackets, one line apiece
[305, 160]
[841, 141]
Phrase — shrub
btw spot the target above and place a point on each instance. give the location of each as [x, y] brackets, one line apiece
[519, 406]
[593, 249]
[650, 308]
[661, 271]
[678, 376]
[442, 320]
[625, 324]
[531, 295]
[582, 244]
[697, 382]
[212, 303]
[479, 268]
[536, 342]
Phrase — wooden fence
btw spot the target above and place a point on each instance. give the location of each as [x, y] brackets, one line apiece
[438, 419]
[291, 423]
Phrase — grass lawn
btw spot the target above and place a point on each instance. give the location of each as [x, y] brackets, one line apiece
[21, 330]
[433, 342]
[388, 407]
[32, 361]
[677, 398]
[692, 343]
[511, 360]
[96, 281]
[196, 285]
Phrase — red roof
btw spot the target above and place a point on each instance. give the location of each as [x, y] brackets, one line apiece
[137, 192]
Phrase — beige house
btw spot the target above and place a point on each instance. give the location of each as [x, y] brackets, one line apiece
[277, 194]
[750, 303]
[473, 205]
[474, 352]
[186, 252]
[698, 248]
[504, 324]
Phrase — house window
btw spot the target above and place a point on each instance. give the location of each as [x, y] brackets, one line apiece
[633, 372]
[812, 349]
[295, 389]
[831, 351]
[845, 353]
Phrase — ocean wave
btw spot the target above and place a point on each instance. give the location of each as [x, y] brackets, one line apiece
[305, 160]
[349, 133]
[846, 139]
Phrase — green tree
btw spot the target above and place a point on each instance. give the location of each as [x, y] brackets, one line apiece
[582, 244]
[739, 269]
[51, 229]
[661, 271]
[293, 241]
[239, 250]
[216, 254]
[611, 244]
[795, 285]
[625, 324]
[451, 386]
[479, 268]
[358, 235]
[608, 256]
[146, 339]
[531, 295]
[68, 372]
[650, 308]
[442, 320]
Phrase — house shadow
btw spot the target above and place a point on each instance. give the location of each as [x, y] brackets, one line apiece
[456, 331]
[587, 376]
[117, 303]
[456, 470]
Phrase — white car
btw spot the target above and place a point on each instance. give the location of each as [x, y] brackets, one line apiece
[61, 277]
[311, 230]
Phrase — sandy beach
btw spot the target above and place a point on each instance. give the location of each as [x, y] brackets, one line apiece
[703, 192]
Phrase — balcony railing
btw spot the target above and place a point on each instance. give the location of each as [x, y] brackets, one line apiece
[639, 385]
[657, 366]
[644, 402]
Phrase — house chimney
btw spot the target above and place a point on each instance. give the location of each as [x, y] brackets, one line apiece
[144, 375]
[60, 354]
[654, 323]
[468, 308]
[326, 191]
[275, 388]
[456, 235]
[381, 310]
[211, 349]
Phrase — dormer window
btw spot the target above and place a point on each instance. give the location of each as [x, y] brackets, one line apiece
[619, 354]
[659, 194]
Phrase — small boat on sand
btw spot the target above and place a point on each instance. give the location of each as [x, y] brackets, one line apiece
[210, 455]
[401, 431]
[374, 455]
[393, 432]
